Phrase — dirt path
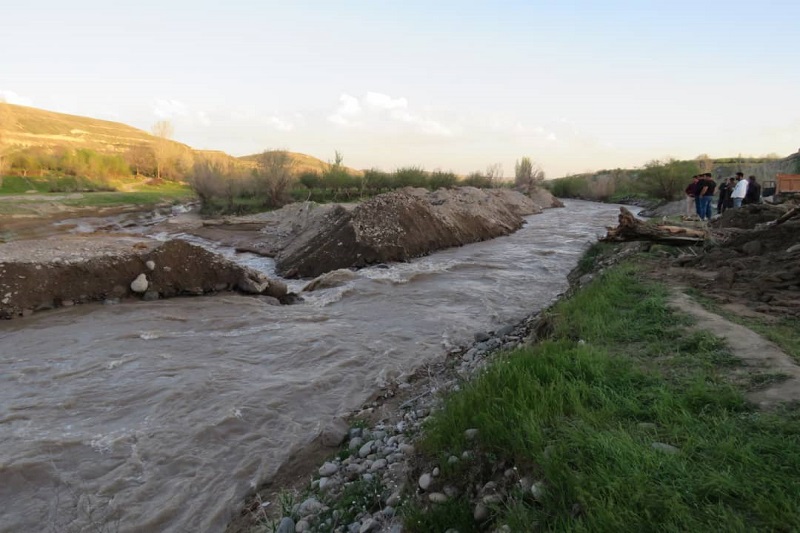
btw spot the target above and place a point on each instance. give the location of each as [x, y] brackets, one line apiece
[756, 352]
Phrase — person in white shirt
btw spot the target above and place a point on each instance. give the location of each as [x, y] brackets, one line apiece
[740, 191]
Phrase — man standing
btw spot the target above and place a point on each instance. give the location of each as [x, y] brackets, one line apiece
[740, 191]
[705, 191]
[724, 194]
[691, 197]
[753, 195]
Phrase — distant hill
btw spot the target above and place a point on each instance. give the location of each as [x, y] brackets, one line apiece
[304, 163]
[28, 127]
[23, 128]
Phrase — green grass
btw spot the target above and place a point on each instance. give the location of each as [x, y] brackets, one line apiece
[581, 411]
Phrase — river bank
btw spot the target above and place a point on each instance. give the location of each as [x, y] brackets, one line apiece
[620, 378]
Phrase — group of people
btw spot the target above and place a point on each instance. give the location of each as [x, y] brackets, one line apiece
[733, 192]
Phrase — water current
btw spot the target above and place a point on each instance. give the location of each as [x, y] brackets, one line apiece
[162, 416]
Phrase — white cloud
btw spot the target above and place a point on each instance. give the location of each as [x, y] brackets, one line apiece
[384, 101]
[349, 107]
[280, 124]
[10, 97]
[167, 109]
[376, 111]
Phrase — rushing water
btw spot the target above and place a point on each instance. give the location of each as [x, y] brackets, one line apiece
[162, 416]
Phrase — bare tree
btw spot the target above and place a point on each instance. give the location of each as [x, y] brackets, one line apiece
[494, 173]
[162, 147]
[704, 163]
[274, 176]
[527, 175]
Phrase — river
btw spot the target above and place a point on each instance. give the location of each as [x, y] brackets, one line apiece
[162, 416]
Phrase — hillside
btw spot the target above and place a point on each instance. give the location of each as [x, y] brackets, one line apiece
[304, 163]
[25, 128]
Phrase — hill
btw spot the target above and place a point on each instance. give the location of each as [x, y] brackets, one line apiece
[304, 163]
[24, 129]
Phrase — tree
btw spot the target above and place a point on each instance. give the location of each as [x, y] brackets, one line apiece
[141, 159]
[494, 173]
[527, 175]
[274, 176]
[667, 179]
[162, 147]
[704, 163]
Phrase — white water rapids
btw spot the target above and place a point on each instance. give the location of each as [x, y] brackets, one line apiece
[162, 416]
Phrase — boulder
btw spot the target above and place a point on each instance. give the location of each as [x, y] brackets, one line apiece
[330, 280]
[140, 284]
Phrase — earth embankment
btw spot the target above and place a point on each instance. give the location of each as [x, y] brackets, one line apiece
[45, 274]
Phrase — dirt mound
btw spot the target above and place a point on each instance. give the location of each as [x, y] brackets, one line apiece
[40, 275]
[400, 225]
[748, 216]
[761, 268]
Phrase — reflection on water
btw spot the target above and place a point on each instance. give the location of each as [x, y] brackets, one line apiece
[162, 416]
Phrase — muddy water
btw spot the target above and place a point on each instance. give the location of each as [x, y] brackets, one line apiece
[162, 416]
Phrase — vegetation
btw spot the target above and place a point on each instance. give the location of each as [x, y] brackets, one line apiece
[527, 174]
[588, 414]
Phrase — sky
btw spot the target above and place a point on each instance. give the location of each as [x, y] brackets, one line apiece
[439, 84]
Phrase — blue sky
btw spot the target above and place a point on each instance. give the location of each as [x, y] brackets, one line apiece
[451, 85]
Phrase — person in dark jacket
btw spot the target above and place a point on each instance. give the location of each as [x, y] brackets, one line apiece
[724, 196]
[705, 191]
[691, 197]
[753, 195]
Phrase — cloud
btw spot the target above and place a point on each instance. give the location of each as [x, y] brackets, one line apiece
[377, 111]
[349, 107]
[280, 124]
[167, 109]
[10, 97]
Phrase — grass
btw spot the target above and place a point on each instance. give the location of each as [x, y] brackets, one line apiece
[581, 411]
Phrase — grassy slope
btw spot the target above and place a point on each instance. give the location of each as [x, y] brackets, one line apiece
[304, 163]
[581, 411]
[28, 126]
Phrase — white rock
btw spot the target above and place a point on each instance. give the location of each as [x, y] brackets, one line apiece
[425, 481]
[437, 497]
[328, 469]
[151, 265]
[471, 433]
[140, 284]
[537, 490]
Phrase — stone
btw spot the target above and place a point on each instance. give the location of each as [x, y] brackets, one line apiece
[366, 449]
[666, 448]
[471, 434]
[425, 481]
[406, 449]
[150, 296]
[302, 526]
[356, 432]
[140, 284]
[151, 265]
[482, 336]
[355, 443]
[253, 282]
[452, 460]
[537, 490]
[369, 525]
[435, 472]
[309, 507]
[505, 330]
[481, 513]
[328, 469]
[437, 497]
[286, 525]
[380, 464]
[335, 433]
[793, 249]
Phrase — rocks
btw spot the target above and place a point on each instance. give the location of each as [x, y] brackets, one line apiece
[151, 265]
[140, 284]
[481, 336]
[150, 296]
[437, 497]
[330, 280]
[471, 434]
[481, 512]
